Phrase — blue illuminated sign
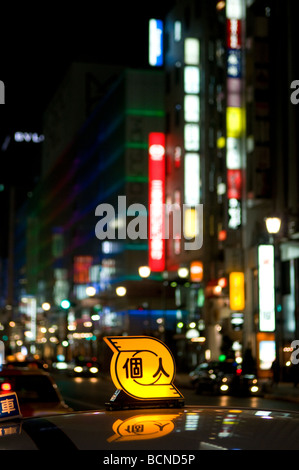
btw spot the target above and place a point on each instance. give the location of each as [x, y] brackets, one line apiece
[156, 43]
[234, 67]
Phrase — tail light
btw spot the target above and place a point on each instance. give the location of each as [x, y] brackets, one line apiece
[5, 387]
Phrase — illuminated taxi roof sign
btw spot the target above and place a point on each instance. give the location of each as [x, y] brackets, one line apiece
[9, 406]
[142, 369]
[142, 427]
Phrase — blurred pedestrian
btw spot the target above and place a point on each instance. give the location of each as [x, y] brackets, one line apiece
[295, 374]
[275, 372]
[249, 363]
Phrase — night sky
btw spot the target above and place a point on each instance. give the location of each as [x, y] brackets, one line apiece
[38, 43]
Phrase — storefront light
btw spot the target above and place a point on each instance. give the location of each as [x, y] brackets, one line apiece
[273, 224]
[121, 291]
[144, 271]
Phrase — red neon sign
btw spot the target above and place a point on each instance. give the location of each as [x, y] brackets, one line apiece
[234, 184]
[156, 201]
[234, 34]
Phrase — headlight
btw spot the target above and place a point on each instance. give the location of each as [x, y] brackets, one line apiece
[254, 389]
[94, 370]
[78, 369]
[224, 388]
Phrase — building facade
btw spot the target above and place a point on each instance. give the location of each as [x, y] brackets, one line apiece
[176, 168]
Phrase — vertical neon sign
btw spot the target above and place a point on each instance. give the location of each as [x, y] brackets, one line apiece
[156, 201]
[266, 288]
[155, 57]
[234, 112]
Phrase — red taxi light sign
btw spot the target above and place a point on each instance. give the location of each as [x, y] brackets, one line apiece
[142, 367]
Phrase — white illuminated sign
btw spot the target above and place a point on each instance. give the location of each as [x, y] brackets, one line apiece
[233, 153]
[191, 79]
[155, 42]
[191, 51]
[192, 178]
[157, 152]
[191, 137]
[234, 9]
[234, 213]
[267, 354]
[191, 108]
[266, 288]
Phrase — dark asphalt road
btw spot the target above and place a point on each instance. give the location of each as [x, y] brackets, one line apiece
[91, 393]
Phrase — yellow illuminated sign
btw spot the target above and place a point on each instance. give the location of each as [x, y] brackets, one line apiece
[190, 223]
[234, 121]
[143, 427]
[236, 291]
[143, 367]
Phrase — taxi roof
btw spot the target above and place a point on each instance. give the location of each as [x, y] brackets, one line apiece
[188, 428]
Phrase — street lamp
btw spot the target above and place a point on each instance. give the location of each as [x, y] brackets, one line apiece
[46, 306]
[90, 291]
[121, 291]
[183, 272]
[144, 271]
[273, 224]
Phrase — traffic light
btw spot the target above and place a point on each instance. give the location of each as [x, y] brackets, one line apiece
[65, 304]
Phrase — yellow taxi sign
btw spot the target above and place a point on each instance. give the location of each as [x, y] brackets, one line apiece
[142, 367]
[143, 427]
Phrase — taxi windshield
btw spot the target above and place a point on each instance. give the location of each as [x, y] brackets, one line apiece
[31, 388]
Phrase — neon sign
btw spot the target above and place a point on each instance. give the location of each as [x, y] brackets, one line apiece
[143, 367]
[155, 43]
[266, 288]
[156, 201]
[235, 117]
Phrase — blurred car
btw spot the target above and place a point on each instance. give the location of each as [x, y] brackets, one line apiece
[178, 429]
[207, 377]
[83, 368]
[76, 368]
[37, 391]
[30, 364]
[225, 377]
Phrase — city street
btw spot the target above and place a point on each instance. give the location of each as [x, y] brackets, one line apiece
[91, 393]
